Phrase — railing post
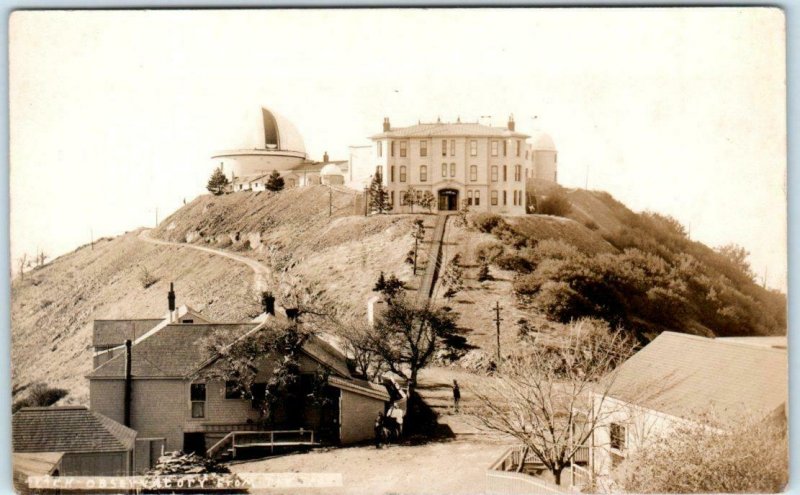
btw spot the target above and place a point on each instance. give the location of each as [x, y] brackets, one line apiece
[233, 446]
[271, 442]
[312, 436]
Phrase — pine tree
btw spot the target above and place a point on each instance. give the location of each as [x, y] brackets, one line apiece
[217, 181]
[275, 181]
[378, 197]
[453, 277]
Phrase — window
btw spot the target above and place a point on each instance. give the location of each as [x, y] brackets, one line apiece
[494, 173]
[452, 170]
[473, 147]
[519, 147]
[477, 198]
[232, 390]
[452, 147]
[505, 147]
[403, 149]
[469, 198]
[514, 199]
[187, 321]
[618, 436]
[402, 173]
[473, 172]
[423, 173]
[505, 173]
[380, 148]
[505, 198]
[444, 147]
[495, 146]
[379, 171]
[391, 173]
[494, 198]
[517, 173]
[423, 147]
[444, 170]
[391, 148]
[391, 198]
[197, 395]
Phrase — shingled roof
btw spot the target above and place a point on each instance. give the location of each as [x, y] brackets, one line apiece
[68, 430]
[175, 351]
[115, 332]
[439, 129]
[685, 375]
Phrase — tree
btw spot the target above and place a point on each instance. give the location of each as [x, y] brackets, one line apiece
[411, 197]
[358, 345]
[40, 395]
[217, 182]
[275, 182]
[21, 261]
[390, 286]
[453, 277]
[406, 336]
[427, 201]
[462, 214]
[751, 457]
[41, 258]
[547, 394]
[483, 271]
[378, 196]
[556, 203]
[737, 255]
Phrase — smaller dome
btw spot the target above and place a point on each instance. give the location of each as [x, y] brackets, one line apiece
[541, 141]
[331, 169]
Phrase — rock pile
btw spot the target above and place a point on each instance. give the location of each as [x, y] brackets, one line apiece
[179, 463]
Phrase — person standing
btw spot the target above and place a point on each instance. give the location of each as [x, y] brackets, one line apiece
[456, 395]
[379, 430]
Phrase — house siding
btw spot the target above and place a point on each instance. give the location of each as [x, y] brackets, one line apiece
[358, 414]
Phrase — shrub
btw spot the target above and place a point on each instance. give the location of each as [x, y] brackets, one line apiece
[483, 273]
[40, 396]
[514, 262]
[556, 203]
[509, 235]
[591, 225]
[486, 222]
[146, 278]
[488, 251]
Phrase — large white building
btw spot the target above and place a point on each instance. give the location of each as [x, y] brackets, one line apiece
[483, 166]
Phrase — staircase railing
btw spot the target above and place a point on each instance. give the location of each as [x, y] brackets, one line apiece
[270, 438]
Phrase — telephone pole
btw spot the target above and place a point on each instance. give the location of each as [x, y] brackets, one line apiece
[497, 321]
[330, 201]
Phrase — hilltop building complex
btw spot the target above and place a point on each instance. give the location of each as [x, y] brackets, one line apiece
[485, 167]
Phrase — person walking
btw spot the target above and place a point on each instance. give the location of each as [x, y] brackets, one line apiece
[456, 395]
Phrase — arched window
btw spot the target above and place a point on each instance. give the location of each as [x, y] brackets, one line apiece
[423, 173]
[444, 170]
[402, 173]
[477, 198]
[473, 172]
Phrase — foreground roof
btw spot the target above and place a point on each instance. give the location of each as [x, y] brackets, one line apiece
[36, 463]
[69, 430]
[116, 332]
[439, 129]
[685, 376]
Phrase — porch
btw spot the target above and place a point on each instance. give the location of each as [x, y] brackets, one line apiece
[241, 441]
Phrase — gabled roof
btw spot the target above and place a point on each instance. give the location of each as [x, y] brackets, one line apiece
[326, 354]
[439, 129]
[116, 332]
[68, 430]
[173, 352]
[685, 375]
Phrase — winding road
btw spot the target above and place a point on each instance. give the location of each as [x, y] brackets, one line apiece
[261, 273]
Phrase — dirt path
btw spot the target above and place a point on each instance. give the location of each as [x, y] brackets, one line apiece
[261, 273]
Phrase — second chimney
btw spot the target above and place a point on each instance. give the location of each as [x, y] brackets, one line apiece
[511, 124]
[126, 398]
[386, 126]
[325, 157]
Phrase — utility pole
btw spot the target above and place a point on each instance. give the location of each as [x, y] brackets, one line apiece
[497, 321]
[91, 238]
[366, 200]
[330, 201]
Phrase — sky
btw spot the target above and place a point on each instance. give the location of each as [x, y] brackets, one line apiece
[114, 114]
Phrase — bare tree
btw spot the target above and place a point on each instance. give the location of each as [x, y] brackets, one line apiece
[548, 393]
[357, 339]
[21, 261]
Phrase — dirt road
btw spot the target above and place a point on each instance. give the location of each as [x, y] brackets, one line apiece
[261, 273]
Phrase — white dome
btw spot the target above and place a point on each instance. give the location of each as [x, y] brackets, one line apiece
[331, 169]
[541, 141]
[265, 129]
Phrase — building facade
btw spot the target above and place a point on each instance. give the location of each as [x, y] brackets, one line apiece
[481, 166]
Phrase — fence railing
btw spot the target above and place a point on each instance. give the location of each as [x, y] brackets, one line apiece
[267, 439]
[504, 474]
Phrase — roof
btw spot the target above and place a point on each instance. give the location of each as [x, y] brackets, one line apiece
[439, 129]
[260, 128]
[116, 332]
[685, 375]
[68, 429]
[36, 463]
[331, 169]
[174, 351]
[777, 341]
[325, 353]
[361, 387]
[541, 141]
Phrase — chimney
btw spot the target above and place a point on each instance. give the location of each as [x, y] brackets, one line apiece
[511, 124]
[268, 303]
[386, 126]
[171, 302]
[292, 313]
[325, 157]
[128, 385]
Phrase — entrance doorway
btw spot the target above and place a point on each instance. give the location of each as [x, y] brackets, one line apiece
[448, 200]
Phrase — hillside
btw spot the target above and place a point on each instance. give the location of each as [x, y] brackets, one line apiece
[602, 260]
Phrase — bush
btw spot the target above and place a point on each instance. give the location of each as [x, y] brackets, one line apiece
[486, 222]
[556, 203]
[488, 251]
[40, 396]
[483, 273]
[591, 225]
[509, 235]
[514, 262]
[146, 278]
